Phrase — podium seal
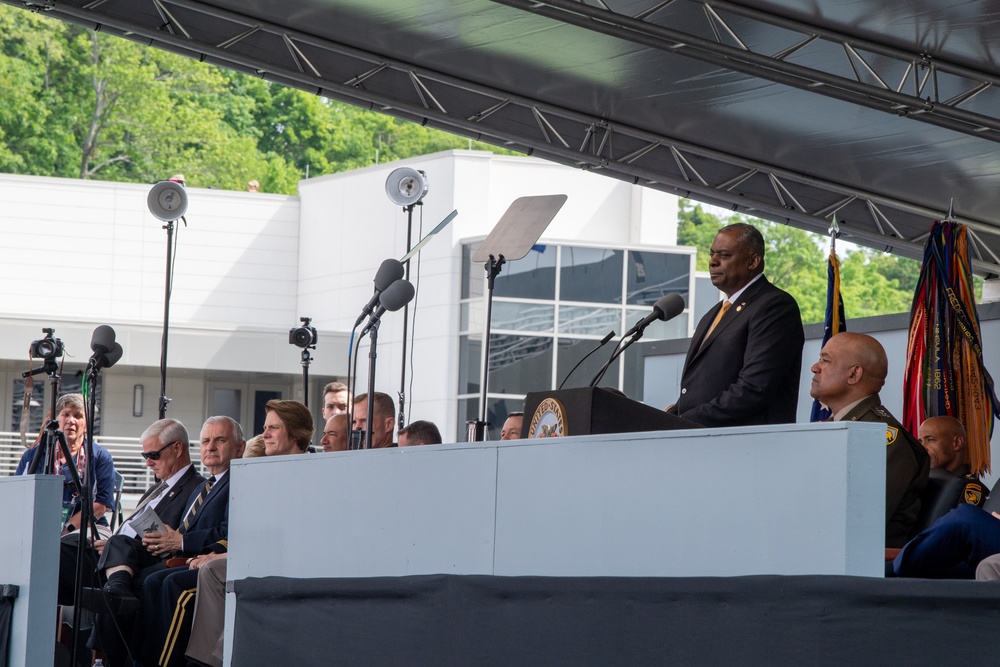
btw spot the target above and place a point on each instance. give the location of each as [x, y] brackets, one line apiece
[549, 420]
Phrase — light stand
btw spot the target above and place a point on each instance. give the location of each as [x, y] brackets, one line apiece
[167, 201]
[511, 239]
[406, 187]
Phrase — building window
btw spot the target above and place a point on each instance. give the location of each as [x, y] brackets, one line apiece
[550, 309]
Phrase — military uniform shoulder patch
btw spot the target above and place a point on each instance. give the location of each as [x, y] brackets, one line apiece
[891, 433]
[972, 494]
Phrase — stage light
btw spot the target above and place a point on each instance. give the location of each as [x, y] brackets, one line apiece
[406, 186]
[167, 201]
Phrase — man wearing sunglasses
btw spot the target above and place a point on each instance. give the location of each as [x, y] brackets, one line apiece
[165, 448]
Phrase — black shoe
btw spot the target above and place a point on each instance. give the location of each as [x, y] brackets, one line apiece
[115, 598]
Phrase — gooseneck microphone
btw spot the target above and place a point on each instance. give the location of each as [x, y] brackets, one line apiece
[666, 308]
[389, 272]
[604, 341]
[395, 296]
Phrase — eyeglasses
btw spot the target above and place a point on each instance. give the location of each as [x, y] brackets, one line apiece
[155, 456]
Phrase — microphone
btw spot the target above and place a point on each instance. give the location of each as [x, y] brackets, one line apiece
[666, 308]
[395, 296]
[389, 272]
[106, 351]
[604, 341]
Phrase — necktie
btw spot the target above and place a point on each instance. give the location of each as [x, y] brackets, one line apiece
[189, 519]
[715, 322]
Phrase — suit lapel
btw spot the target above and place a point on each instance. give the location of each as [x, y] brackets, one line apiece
[735, 311]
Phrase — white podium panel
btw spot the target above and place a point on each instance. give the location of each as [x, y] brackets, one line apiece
[795, 499]
[30, 559]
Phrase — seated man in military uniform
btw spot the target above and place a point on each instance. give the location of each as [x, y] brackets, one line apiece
[944, 439]
[847, 378]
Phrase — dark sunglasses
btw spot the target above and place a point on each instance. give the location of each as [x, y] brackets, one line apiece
[155, 456]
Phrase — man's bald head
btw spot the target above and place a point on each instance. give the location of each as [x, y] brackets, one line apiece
[851, 366]
[944, 439]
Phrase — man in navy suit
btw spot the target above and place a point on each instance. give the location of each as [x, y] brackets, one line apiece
[746, 354]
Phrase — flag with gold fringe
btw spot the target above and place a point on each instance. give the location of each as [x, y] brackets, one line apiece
[945, 373]
[834, 322]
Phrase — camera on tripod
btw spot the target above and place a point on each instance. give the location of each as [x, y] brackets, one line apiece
[303, 336]
[48, 348]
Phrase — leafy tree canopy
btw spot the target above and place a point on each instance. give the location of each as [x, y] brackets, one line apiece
[80, 104]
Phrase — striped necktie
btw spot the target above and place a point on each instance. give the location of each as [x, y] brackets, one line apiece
[189, 519]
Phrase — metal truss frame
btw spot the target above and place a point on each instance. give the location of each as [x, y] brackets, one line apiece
[566, 136]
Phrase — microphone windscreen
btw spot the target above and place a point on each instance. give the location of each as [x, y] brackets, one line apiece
[669, 306]
[397, 295]
[114, 355]
[103, 339]
[388, 272]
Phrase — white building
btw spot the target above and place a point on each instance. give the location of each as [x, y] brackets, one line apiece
[78, 254]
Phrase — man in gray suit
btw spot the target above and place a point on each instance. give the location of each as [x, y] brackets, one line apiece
[744, 360]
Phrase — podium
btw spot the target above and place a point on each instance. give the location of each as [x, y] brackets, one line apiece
[590, 410]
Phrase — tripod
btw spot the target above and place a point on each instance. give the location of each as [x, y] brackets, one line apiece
[44, 463]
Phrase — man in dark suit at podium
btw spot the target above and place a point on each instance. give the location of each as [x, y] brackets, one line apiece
[743, 364]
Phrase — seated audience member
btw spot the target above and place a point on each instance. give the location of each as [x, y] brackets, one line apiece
[847, 378]
[173, 605]
[336, 434]
[288, 428]
[69, 411]
[254, 448]
[336, 399]
[165, 450]
[419, 433]
[384, 419]
[512, 426]
[205, 574]
[944, 439]
[953, 547]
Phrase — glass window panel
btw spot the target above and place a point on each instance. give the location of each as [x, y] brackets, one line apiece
[470, 361]
[634, 376]
[472, 274]
[468, 410]
[651, 275]
[571, 351]
[533, 277]
[584, 320]
[523, 316]
[260, 399]
[591, 275]
[36, 412]
[519, 364]
[675, 328]
[229, 402]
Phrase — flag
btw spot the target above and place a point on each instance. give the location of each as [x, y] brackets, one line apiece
[945, 373]
[835, 322]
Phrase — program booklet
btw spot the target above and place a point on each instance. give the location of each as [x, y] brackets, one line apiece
[146, 521]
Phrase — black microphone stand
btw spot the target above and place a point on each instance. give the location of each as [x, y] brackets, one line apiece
[372, 354]
[619, 350]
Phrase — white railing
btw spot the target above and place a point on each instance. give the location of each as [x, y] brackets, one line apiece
[126, 452]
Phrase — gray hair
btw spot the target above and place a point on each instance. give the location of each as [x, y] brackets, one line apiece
[167, 431]
[234, 426]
